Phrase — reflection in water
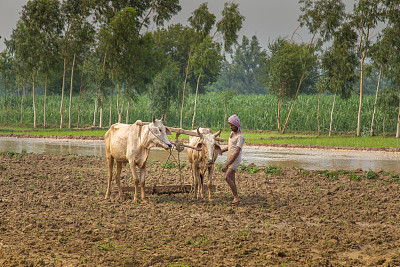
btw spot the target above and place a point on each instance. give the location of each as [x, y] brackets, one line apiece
[311, 159]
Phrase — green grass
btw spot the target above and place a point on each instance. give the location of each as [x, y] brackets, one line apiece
[52, 131]
[340, 141]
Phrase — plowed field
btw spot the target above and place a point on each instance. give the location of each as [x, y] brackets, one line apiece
[53, 212]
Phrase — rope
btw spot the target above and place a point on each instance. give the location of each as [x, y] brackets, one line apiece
[179, 147]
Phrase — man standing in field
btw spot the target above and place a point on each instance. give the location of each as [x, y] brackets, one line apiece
[235, 145]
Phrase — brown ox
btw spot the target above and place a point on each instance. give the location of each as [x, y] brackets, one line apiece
[203, 159]
[130, 143]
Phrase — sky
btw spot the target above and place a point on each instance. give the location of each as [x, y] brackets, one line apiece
[267, 19]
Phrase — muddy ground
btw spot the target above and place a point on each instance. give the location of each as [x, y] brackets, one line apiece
[53, 213]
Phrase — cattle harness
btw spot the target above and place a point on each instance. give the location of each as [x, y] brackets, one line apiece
[179, 146]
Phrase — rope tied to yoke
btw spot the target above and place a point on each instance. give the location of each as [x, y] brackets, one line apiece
[179, 146]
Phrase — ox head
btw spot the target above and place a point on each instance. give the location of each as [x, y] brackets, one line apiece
[209, 145]
[158, 133]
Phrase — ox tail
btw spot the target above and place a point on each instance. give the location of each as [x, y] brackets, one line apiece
[201, 179]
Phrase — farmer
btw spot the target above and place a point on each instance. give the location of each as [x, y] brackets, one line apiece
[235, 145]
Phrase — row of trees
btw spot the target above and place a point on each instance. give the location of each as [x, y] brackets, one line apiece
[109, 43]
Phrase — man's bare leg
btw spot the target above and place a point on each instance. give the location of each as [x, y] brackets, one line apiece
[230, 179]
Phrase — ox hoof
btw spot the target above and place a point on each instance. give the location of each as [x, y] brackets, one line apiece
[107, 196]
[210, 199]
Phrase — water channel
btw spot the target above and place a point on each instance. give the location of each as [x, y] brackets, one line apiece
[310, 159]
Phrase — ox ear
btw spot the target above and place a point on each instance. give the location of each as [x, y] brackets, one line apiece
[154, 119]
[199, 145]
[218, 149]
[168, 131]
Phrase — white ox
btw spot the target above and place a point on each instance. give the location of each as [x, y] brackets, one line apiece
[130, 143]
[203, 159]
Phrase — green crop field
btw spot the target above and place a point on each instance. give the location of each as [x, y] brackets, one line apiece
[257, 112]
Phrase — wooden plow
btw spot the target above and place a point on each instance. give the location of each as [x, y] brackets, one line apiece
[179, 146]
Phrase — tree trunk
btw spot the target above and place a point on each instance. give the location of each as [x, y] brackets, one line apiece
[319, 96]
[225, 115]
[101, 118]
[376, 99]
[184, 88]
[80, 91]
[195, 101]
[44, 105]
[361, 96]
[22, 101]
[70, 93]
[101, 111]
[95, 110]
[398, 122]
[127, 111]
[383, 126]
[279, 115]
[62, 95]
[295, 97]
[34, 103]
[119, 112]
[111, 102]
[333, 107]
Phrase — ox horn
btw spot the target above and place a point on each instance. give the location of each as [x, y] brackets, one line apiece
[218, 133]
[162, 118]
[154, 118]
[198, 132]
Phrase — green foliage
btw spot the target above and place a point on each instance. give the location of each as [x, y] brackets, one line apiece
[322, 16]
[202, 21]
[252, 169]
[287, 68]
[272, 169]
[230, 24]
[171, 165]
[371, 175]
[354, 177]
[334, 175]
[339, 63]
[164, 87]
[242, 75]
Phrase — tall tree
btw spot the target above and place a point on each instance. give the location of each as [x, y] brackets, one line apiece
[139, 71]
[164, 87]
[365, 17]
[322, 18]
[339, 64]
[228, 27]
[391, 36]
[39, 25]
[381, 52]
[79, 36]
[206, 60]
[285, 70]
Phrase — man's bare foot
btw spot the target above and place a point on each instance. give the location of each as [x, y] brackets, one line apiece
[235, 201]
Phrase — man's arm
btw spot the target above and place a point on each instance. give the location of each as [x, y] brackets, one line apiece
[232, 159]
